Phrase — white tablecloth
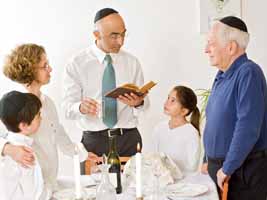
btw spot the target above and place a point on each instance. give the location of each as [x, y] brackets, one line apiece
[67, 182]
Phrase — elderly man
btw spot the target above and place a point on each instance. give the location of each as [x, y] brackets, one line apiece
[95, 71]
[235, 136]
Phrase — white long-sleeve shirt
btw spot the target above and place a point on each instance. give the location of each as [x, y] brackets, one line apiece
[182, 144]
[17, 182]
[50, 137]
[83, 78]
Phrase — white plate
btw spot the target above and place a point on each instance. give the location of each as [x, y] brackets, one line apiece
[69, 194]
[185, 190]
[68, 181]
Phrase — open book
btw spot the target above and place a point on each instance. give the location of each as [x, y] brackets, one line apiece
[130, 88]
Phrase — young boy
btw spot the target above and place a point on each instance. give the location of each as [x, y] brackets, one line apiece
[20, 113]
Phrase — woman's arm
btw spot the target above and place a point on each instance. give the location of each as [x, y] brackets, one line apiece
[21, 154]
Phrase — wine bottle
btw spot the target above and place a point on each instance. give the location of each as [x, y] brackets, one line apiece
[115, 164]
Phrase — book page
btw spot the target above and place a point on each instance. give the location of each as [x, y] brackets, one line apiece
[147, 87]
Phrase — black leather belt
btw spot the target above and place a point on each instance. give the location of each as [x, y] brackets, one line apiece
[110, 132]
[251, 156]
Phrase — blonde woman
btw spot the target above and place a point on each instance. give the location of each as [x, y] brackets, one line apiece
[28, 65]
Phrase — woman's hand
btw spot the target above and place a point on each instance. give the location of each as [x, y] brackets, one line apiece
[21, 154]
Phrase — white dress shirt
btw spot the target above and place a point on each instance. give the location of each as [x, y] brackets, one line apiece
[51, 136]
[83, 78]
[17, 182]
[182, 144]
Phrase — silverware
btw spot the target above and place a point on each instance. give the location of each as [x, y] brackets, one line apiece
[169, 198]
[90, 186]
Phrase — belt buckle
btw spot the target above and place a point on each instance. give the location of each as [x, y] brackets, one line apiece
[113, 130]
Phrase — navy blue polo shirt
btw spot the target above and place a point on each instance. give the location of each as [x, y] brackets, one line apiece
[236, 114]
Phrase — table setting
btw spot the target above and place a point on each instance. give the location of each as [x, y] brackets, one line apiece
[146, 177]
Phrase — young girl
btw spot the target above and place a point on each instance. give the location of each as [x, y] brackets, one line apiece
[177, 137]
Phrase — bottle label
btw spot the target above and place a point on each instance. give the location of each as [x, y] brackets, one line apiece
[113, 179]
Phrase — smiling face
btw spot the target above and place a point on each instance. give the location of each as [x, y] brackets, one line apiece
[110, 33]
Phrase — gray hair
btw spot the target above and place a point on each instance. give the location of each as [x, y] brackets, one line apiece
[227, 33]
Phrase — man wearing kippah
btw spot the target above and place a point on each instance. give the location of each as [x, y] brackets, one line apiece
[235, 135]
[91, 74]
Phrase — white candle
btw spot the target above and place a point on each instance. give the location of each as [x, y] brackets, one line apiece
[77, 176]
[138, 159]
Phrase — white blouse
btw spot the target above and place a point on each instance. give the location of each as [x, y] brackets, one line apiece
[182, 144]
[51, 136]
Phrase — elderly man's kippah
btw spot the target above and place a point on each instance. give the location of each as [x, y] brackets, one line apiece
[234, 22]
[103, 13]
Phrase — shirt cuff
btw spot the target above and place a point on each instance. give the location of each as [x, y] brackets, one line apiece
[141, 107]
[141, 104]
[83, 154]
[76, 108]
[228, 170]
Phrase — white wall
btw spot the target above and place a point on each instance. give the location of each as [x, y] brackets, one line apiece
[162, 34]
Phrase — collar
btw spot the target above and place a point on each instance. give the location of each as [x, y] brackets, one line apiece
[19, 139]
[234, 66]
[100, 55]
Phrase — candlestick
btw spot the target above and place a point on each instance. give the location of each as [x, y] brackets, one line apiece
[138, 159]
[77, 176]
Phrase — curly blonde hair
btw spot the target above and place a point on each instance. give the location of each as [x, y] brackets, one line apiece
[20, 64]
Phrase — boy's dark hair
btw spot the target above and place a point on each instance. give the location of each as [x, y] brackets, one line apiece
[17, 107]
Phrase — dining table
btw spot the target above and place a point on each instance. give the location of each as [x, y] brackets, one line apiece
[194, 179]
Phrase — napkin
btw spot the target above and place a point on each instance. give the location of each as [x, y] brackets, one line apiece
[154, 165]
